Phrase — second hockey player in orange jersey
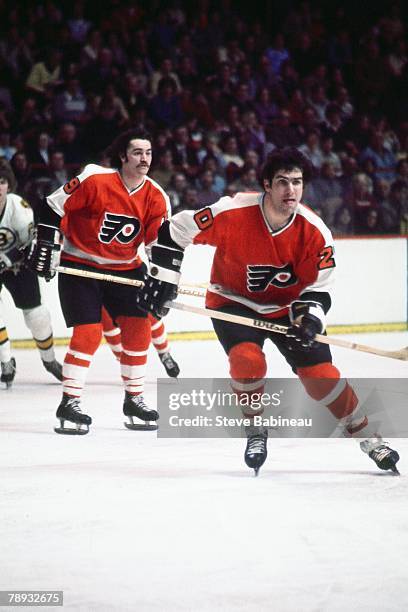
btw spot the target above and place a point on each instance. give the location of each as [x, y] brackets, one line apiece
[274, 257]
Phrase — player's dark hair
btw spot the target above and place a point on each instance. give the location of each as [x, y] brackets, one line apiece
[287, 159]
[7, 174]
[119, 146]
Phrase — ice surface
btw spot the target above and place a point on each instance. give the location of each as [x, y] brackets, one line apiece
[120, 520]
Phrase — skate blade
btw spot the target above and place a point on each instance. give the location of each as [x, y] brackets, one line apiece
[256, 472]
[141, 427]
[72, 431]
[395, 471]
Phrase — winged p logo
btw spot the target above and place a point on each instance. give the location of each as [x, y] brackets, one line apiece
[118, 227]
[259, 277]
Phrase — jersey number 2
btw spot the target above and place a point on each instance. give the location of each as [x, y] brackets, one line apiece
[326, 258]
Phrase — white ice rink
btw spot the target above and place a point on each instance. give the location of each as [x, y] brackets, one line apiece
[123, 521]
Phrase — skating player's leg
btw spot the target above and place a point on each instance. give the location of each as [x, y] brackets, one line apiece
[112, 334]
[323, 383]
[161, 344]
[83, 344]
[135, 342]
[7, 362]
[248, 369]
[38, 321]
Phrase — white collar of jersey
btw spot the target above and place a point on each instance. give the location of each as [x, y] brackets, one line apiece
[127, 188]
[268, 225]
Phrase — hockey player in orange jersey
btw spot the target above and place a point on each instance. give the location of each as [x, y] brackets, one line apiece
[159, 340]
[103, 215]
[274, 258]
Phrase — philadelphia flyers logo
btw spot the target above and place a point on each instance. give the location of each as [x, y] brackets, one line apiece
[118, 227]
[259, 277]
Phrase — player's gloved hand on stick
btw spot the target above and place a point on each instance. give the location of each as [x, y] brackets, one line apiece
[162, 280]
[45, 251]
[307, 321]
[10, 259]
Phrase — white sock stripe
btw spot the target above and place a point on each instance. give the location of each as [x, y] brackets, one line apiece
[156, 325]
[78, 355]
[116, 348]
[112, 332]
[132, 388]
[335, 392]
[129, 371]
[250, 386]
[135, 353]
[74, 372]
[160, 340]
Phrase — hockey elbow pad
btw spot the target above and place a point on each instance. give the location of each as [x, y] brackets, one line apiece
[46, 251]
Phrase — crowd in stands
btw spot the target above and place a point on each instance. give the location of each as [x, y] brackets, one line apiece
[218, 88]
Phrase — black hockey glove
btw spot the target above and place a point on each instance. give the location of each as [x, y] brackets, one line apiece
[307, 321]
[10, 259]
[45, 251]
[162, 280]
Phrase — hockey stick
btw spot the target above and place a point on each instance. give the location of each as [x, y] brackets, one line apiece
[195, 292]
[99, 276]
[401, 354]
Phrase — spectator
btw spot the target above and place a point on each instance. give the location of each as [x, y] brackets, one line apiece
[58, 171]
[39, 152]
[281, 133]
[78, 25]
[211, 163]
[7, 150]
[389, 214]
[264, 107]
[165, 108]
[69, 143]
[328, 154]
[165, 72]
[164, 170]
[231, 159]
[70, 104]
[178, 184]
[383, 158]
[45, 76]
[184, 156]
[343, 223]
[190, 199]
[312, 149]
[90, 52]
[277, 54]
[248, 181]
[22, 172]
[253, 136]
[361, 199]
[206, 192]
[327, 193]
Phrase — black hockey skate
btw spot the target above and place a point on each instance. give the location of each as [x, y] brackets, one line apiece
[256, 452]
[69, 410]
[384, 457]
[170, 365]
[134, 407]
[54, 368]
[8, 372]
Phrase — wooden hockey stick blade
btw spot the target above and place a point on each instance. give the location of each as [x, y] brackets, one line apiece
[401, 354]
[99, 276]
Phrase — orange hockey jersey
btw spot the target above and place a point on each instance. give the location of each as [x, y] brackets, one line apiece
[104, 223]
[263, 269]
